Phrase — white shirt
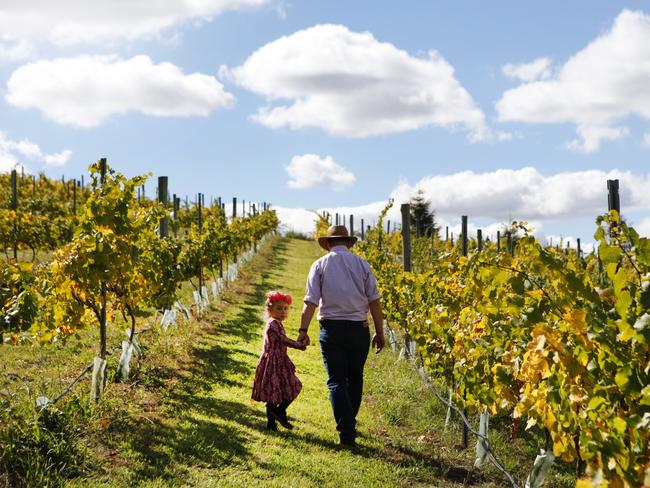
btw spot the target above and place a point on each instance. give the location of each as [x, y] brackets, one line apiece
[342, 285]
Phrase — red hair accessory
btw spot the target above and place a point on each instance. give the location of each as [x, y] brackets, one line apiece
[276, 296]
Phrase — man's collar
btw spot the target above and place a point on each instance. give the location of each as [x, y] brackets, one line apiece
[340, 248]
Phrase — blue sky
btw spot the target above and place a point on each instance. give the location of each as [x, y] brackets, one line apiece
[76, 87]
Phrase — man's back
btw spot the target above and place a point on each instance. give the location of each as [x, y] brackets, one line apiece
[342, 284]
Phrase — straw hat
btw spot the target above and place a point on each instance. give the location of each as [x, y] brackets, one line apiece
[336, 232]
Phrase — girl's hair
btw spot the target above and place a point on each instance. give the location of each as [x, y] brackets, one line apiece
[277, 296]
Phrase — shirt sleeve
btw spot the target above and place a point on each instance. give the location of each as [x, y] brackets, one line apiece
[313, 292]
[371, 285]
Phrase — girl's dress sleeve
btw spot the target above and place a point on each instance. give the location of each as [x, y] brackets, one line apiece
[277, 333]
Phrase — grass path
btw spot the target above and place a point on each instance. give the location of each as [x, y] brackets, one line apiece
[205, 430]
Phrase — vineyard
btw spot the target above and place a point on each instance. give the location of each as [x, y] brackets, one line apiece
[545, 340]
[538, 335]
[99, 256]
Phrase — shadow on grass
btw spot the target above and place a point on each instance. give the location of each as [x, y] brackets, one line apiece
[202, 430]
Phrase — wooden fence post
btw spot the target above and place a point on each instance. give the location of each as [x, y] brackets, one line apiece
[613, 198]
[14, 207]
[199, 203]
[406, 235]
[464, 232]
[162, 198]
[465, 431]
[579, 248]
[102, 315]
[74, 196]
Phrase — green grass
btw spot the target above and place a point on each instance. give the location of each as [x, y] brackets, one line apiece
[186, 419]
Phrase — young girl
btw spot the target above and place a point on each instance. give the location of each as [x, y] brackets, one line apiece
[276, 383]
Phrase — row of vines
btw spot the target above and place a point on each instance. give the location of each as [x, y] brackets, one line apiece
[536, 334]
[107, 263]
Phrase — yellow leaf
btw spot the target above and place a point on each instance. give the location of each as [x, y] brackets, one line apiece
[550, 419]
[576, 319]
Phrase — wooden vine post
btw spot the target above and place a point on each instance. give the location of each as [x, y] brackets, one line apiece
[479, 239]
[74, 196]
[351, 224]
[162, 199]
[465, 431]
[102, 314]
[613, 199]
[14, 207]
[406, 235]
[363, 231]
[255, 240]
[199, 204]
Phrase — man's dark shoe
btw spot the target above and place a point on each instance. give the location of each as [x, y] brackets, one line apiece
[348, 442]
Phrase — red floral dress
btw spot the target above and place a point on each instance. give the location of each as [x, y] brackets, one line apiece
[275, 376]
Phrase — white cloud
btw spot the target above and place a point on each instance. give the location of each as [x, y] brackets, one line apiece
[58, 159]
[646, 140]
[591, 137]
[310, 170]
[14, 153]
[15, 50]
[605, 81]
[540, 69]
[350, 84]
[643, 228]
[527, 194]
[505, 195]
[69, 22]
[86, 90]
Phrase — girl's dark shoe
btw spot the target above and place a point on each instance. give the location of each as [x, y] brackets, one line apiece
[281, 416]
[270, 422]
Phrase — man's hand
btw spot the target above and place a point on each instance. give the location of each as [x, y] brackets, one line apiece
[378, 342]
[303, 337]
[308, 310]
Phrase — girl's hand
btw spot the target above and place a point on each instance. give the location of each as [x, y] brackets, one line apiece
[303, 337]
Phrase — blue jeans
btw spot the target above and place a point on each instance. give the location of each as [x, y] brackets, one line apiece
[344, 345]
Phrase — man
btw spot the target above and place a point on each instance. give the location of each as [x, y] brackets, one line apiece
[344, 287]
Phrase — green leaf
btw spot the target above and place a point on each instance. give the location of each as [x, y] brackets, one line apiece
[609, 254]
[620, 280]
[619, 425]
[622, 304]
[622, 378]
[643, 251]
[595, 402]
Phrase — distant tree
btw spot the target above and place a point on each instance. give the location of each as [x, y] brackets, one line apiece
[422, 217]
